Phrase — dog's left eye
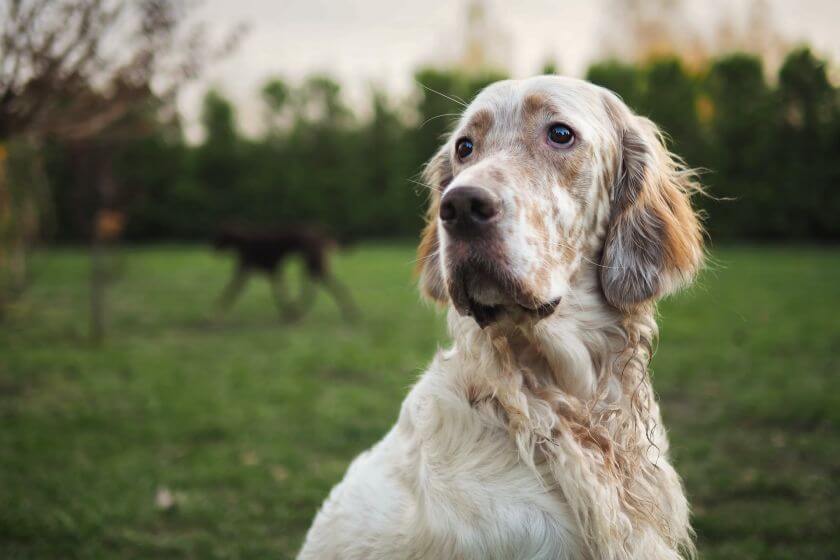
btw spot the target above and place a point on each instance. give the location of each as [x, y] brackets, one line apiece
[464, 148]
[560, 135]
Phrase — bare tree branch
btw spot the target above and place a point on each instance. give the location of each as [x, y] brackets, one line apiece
[54, 54]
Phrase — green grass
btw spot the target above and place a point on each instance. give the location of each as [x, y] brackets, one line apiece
[247, 423]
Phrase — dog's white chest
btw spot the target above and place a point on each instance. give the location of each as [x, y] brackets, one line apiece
[442, 484]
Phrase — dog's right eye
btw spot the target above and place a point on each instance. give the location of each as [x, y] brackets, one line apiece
[464, 148]
[560, 135]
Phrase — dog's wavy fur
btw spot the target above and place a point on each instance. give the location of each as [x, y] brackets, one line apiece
[567, 398]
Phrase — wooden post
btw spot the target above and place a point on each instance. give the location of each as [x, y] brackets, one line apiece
[108, 225]
[97, 290]
[5, 225]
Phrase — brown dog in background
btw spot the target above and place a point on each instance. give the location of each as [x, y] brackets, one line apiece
[265, 251]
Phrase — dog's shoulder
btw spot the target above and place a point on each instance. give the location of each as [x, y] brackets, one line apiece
[446, 470]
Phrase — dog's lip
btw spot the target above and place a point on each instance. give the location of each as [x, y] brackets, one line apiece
[547, 308]
[485, 314]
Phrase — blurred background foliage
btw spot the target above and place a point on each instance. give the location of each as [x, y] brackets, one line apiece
[769, 145]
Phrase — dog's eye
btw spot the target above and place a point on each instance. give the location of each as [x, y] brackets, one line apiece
[560, 135]
[464, 148]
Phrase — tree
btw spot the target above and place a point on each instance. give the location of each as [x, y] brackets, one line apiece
[324, 144]
[550, 67]
[387, 158]
[217, 165]
[624, 79]
[277, 96]
[743, 126]
[670, 99]
[807, 150]
[80, 71]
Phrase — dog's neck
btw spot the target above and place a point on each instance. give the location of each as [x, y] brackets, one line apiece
[575, 384]
[581, 349]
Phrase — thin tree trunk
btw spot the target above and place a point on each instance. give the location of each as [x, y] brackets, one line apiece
[103, 189]
[98, 281]
[5, 234]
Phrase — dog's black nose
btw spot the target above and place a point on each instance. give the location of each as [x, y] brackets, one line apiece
[467, 211]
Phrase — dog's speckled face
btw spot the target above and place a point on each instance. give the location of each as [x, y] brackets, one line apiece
[534, 181]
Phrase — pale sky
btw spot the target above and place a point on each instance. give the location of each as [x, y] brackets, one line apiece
[382, 42]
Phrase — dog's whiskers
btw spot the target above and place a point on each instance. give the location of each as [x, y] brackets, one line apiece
[453, 98]
[430, 119]
[421, 184]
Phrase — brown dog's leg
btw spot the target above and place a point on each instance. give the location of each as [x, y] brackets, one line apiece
[342, 297]
[288, 310]
[306, 298]
[232, 290]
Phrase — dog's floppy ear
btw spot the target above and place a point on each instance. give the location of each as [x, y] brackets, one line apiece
[437, 173]
[654, 242]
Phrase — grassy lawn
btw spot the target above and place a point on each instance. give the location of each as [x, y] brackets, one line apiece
[184, 439]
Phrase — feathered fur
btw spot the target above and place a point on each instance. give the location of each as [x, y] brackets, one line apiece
[539, 439]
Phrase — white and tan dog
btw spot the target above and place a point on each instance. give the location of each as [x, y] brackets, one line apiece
[557, 219]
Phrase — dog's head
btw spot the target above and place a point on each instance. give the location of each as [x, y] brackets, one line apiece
[543, 176]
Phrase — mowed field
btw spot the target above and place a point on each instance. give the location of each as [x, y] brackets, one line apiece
[183, 438]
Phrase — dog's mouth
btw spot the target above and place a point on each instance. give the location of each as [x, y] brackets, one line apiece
[487, 296]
